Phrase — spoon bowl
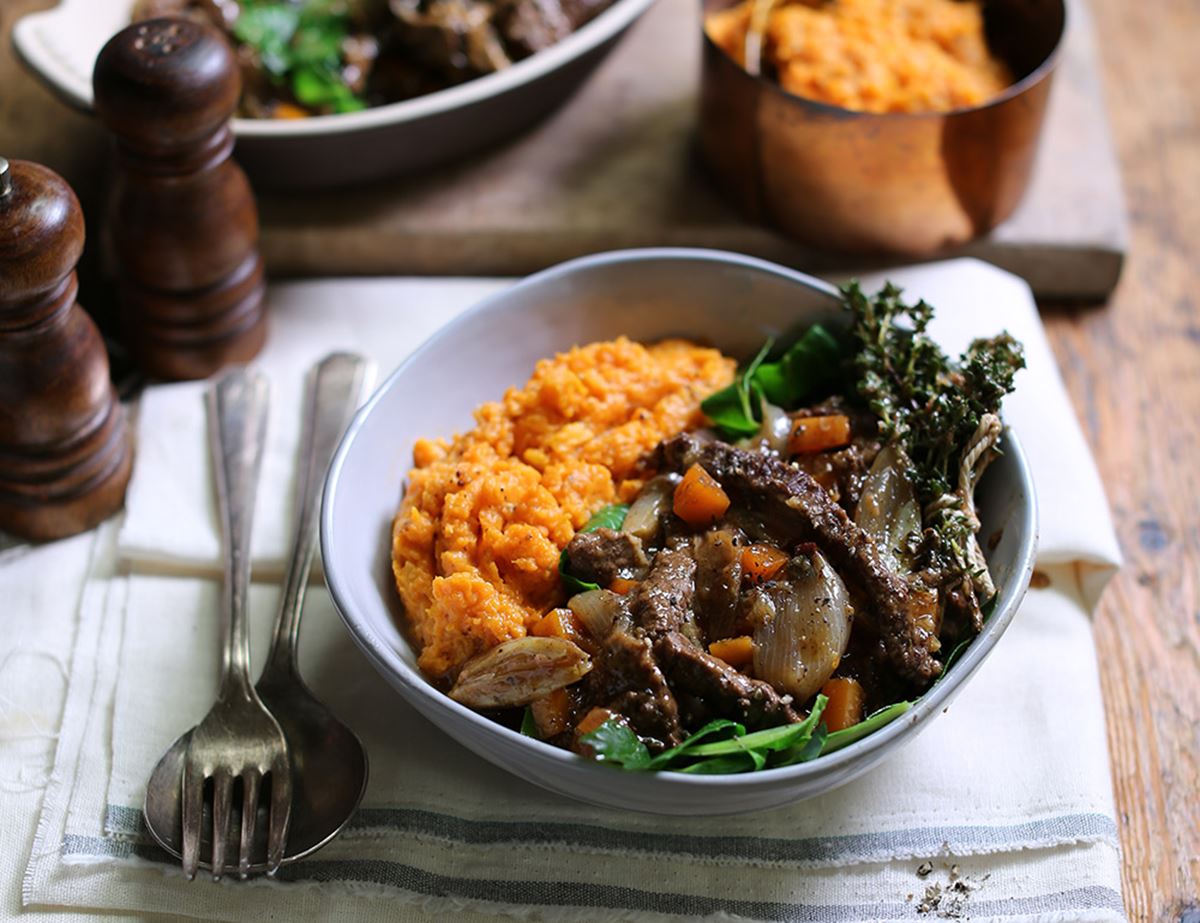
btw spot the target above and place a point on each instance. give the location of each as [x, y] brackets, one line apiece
[329, 765]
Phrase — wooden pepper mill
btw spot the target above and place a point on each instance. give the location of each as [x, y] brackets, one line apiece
[183, 222]
[65, 451]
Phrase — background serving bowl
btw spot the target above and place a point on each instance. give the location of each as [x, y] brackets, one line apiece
[731, 301]
[60, 45]
[898, 183]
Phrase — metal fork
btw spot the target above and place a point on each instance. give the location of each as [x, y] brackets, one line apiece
[238, 739]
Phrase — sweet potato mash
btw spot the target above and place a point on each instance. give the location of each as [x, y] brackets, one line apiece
[477, 539]
[872, 55]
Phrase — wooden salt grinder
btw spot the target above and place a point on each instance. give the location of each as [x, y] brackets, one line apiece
[65, 453]
[183, 222]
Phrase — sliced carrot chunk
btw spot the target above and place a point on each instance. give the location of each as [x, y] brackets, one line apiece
[284, 110]
[699, 500]
[622, 585]
[761, 563]
[552, 713]
[592, 720]
[559, 623]
[737, 652]
[817, 434]
[845, 706]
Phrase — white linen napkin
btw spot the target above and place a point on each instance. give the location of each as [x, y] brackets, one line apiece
[171, 523]
[1009, 793]
[41, 589]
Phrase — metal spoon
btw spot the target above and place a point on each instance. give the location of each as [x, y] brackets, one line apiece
[329, 764]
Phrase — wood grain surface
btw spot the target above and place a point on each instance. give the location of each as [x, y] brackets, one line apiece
[1133, 369]
[617, 167]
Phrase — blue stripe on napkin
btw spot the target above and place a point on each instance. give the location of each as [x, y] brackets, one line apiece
[832, 850]
[574, 894]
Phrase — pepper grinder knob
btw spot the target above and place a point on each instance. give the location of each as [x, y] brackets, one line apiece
[65, 452]
[183, 222]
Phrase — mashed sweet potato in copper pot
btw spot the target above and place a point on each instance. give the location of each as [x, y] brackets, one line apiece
[872, 55]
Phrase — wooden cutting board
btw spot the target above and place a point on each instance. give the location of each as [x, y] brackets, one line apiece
[616, 168]
[613, 168]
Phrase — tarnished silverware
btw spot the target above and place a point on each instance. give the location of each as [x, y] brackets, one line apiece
[238, 744]
[329, 764]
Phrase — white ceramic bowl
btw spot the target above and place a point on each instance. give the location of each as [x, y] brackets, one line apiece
[60, 45]
[728, 300]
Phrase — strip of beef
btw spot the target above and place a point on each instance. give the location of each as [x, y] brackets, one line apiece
[800, 509]
[628, 681]
[844, 472]
[602, 556]
[663, 601]
[580, 12]
[528, 26]
[722, 689]
[694, 712]
[718, 582]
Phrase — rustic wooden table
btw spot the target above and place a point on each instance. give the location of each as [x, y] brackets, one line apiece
[1133, 369]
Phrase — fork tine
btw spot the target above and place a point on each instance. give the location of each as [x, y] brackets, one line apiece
[281, 811]
[193, 817]
[222, 810]
[250, 784]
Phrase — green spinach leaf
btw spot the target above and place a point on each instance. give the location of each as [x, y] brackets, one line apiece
[268, 29]
[769, 740]
[734, 409]
[811, 367]
[572, 584]
[300, 45]
[615, 742]
[812, 747]
[719, 765]
[320, 87]
[700, 754]
[607, 517]
[664, 759]
[528, 725]
[868, 725]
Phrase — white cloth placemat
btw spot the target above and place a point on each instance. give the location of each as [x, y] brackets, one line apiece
[1012, 785]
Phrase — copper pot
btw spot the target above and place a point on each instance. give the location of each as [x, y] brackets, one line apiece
[909, 184]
